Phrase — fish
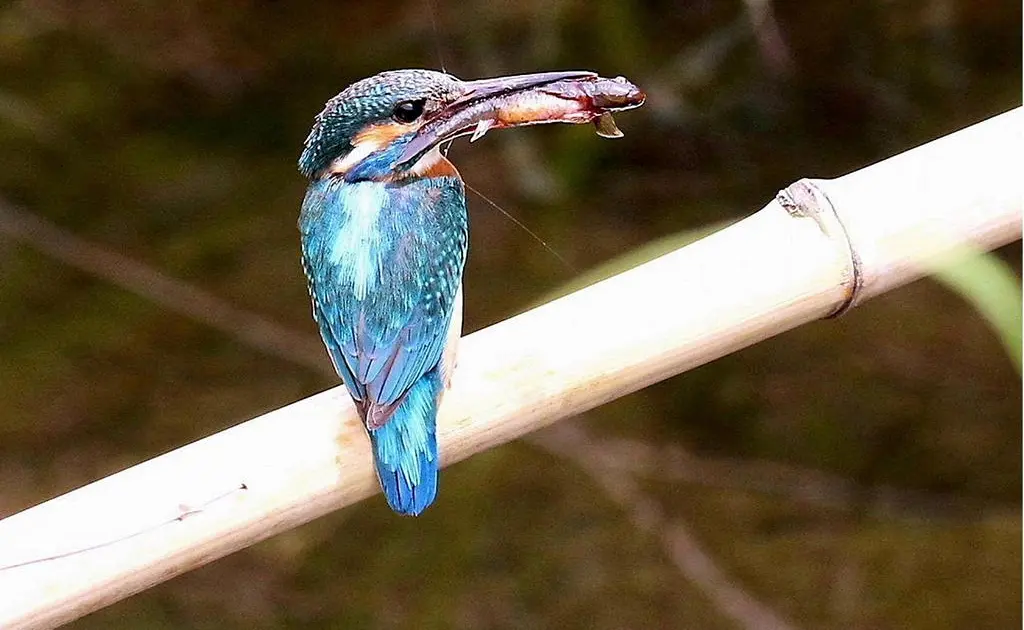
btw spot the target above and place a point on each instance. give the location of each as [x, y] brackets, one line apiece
[583, 99]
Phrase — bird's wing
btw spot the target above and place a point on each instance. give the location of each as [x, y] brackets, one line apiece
[384, 291]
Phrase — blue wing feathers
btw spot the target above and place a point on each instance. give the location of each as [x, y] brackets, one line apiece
[341, 363]
[409, 364]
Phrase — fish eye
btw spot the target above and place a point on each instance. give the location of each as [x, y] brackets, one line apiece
[408, 111]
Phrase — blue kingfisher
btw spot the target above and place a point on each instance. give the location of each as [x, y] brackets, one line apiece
[384, 237]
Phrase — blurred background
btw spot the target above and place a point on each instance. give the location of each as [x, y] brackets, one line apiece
[855, 473]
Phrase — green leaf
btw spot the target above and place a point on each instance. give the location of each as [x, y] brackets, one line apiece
[991, 287]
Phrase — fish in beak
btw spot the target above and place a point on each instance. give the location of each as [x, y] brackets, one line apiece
[575, 97]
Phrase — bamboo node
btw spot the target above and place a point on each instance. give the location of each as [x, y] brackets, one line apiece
[806, 198]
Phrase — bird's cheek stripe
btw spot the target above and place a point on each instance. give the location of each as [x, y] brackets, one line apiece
[381, 134]
[371, 144]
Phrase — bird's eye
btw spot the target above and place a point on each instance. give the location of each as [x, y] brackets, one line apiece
[408, 111]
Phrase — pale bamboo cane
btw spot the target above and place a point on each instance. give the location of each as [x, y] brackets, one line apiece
[816, 249]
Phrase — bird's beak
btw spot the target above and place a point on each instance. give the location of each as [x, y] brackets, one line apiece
[484, 104]
[489, 88]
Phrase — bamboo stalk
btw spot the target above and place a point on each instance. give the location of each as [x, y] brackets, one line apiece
[816, 249]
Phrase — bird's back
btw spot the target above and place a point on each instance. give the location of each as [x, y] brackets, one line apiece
[384, 263]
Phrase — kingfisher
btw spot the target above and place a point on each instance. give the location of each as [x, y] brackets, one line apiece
[384, 234]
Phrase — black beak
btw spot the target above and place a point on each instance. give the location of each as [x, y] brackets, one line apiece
[463, 114]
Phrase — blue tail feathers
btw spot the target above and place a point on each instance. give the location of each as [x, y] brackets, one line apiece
[405, 448]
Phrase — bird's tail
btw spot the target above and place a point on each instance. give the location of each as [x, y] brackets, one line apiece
[405, 448]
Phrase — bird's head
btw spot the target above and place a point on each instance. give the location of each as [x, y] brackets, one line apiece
[385, 127]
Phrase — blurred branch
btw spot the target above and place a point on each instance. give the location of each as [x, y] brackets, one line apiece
[571, 442]
[242, 325]
[769, 37]
[671, 463]
[23, 115]
[701, 62]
